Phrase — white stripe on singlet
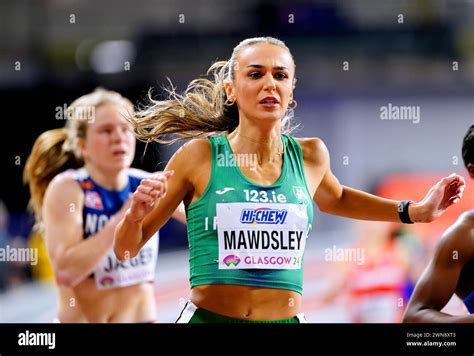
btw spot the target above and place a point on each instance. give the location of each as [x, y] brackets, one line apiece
[187, 313]
[301, 318]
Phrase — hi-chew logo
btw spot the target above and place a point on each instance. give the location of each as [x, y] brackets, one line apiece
[232, 260]
[263, 216]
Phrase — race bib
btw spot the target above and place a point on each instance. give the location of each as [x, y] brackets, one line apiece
[265, 236]
[112, 273]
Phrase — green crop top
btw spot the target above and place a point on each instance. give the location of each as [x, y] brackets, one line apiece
[244, 233]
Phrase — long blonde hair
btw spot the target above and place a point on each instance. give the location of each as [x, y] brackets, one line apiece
[56, 150]
[201, 111]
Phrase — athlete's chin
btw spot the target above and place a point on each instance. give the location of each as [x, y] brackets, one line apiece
[117, 166]
[270, 116]
[120, 161]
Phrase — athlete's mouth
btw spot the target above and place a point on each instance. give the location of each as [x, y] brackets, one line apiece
[119, 153]
[269, 100]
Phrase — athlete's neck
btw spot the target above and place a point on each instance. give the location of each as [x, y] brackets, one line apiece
[266, 143]
[115, 180]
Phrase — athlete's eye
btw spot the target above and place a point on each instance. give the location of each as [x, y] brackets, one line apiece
[255, 75]
[281, 75]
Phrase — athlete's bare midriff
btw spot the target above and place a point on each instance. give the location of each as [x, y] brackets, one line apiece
[244, 302]
[68, 310]
[85, 303]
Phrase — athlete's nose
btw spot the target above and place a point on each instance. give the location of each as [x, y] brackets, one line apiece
[270, 83]
[118, 135]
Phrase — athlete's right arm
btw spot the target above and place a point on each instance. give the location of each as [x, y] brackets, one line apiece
[439, 281]
[72, 256]
[151, 209]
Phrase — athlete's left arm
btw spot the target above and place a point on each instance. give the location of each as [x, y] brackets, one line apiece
[334, 198]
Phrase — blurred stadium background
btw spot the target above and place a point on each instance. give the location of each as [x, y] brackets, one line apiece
[353, 58]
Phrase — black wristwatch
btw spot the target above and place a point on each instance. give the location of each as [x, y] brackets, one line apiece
[403, 211]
